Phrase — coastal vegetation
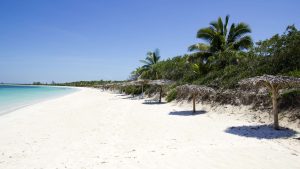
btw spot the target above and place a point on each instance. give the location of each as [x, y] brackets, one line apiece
[86, 83]
[225, 56]
[278, 55]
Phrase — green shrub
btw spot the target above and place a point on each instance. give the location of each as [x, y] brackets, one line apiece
[151, 90]
[172, 94]
[291, 98]
[295, 73]
[134, 90]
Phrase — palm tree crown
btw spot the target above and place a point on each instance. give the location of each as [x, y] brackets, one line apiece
[220, 39]
[147, 69]
[151, 59]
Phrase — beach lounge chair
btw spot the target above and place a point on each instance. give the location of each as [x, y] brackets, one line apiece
[155, 99]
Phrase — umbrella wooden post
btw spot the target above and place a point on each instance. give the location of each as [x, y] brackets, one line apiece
[188, 91]
[194, 103]
[142, 95]
[274, 84]
[160, 92]
[160, 83]
[275, 107]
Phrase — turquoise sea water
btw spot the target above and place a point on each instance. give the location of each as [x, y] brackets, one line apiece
[16, 96]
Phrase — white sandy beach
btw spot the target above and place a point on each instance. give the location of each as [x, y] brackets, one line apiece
[92, 129]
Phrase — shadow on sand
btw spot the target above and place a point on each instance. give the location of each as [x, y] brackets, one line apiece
[131, 97]
[187, 113]
[261, 132]
[150, 103]
[122, 95]
[127, 97]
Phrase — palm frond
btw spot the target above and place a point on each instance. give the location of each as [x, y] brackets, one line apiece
[145, 62]
[156, 56]
[214, 25]
[240, 30]
[150, 59]
[230, 37]
[206, 34]
[226, 24]
[199, 47]
[221, 26]
[243, 43]
[217, 43]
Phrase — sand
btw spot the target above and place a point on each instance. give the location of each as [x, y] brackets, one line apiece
[93, 129]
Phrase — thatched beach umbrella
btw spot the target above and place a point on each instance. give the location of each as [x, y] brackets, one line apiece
[194, 91]
[160, 83]
[133, 83]
[99, 86]
[141, 82]
[114, 86]
[122, 85]
[107, 86]
[111, 86]
[273, 84]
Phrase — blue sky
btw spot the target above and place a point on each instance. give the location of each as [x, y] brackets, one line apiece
[70, 40]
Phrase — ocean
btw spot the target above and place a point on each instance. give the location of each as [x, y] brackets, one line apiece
[13, 97]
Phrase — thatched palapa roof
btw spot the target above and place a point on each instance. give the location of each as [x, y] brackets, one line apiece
[139, 82]
[193, 91]
[160, 82]
[267, 80]
[186, 91]
[274, 84]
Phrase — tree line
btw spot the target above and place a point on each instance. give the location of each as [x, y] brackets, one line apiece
[225, 55]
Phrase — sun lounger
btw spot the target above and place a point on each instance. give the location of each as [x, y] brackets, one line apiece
[155, 99]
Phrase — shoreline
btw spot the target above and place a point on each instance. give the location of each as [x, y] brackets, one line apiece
[17, 107]
[95, 129]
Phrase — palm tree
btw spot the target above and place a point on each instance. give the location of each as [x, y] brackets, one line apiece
[219, 39]
[152, 59]
[136, 73]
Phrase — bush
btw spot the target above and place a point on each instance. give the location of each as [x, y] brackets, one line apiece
[134, 90]
[290, 99]
[295, 73]
[151, 90]
[171, 95]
